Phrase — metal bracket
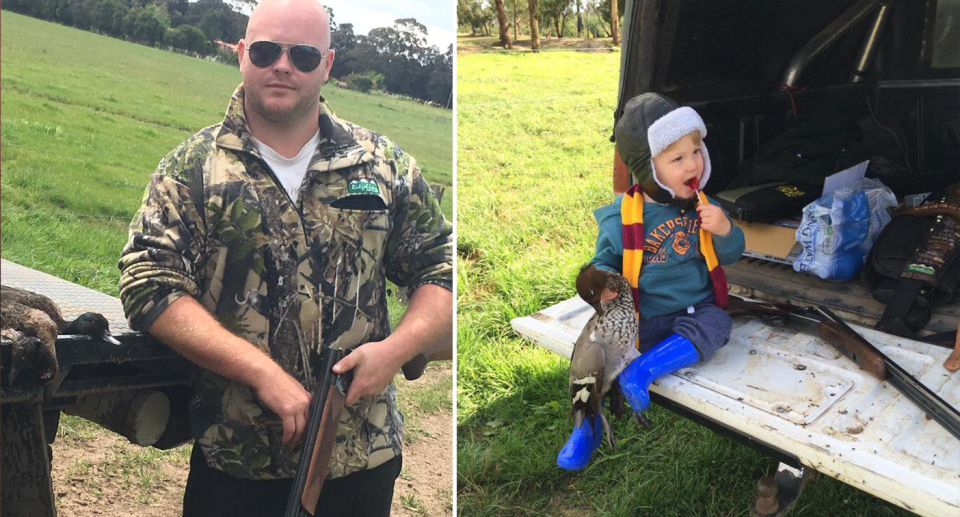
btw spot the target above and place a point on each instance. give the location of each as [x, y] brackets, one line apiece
[777, 495]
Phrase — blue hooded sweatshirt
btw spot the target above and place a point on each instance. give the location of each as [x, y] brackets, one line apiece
[674, 274]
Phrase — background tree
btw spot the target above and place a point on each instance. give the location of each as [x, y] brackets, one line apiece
[105, 16]
[82, 13]
[248, 3]
[605, 13]
[534, 26]
[614, 25]
[556, 11]
[343, 40]
[148, 26]
[401, 55]
[189, 38]
[440, 87]
[470, 14]
[579, 21]
[513, 10]
[175, 38]
[489, 14]
[503, 26]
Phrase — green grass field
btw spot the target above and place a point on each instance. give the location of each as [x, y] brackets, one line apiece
[534, 160]
[86, 119]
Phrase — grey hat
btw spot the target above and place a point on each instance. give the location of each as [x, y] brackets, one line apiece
[650, 123]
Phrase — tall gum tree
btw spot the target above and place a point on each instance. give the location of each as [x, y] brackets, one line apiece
[614, 23]
[504, 26]
[534, 26]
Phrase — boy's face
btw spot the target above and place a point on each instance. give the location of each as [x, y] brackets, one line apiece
[678, 164]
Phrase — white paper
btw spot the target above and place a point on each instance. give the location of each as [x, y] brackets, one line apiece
[845, 178]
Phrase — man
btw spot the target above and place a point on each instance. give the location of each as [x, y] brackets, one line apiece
[269, 236]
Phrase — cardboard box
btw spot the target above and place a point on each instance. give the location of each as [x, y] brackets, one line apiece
[770, 242]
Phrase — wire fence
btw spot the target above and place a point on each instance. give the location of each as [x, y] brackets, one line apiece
[400, 105]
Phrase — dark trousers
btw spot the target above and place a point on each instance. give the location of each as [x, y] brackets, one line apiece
[211, 493]
[708, 328]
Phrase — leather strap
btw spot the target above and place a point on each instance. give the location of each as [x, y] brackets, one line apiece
[893, 320]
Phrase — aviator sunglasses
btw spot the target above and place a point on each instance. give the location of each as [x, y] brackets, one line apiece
[264, 53]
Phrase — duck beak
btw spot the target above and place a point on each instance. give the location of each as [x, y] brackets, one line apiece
[110, 339]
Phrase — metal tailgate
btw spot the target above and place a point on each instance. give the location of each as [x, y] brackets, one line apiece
[795, 393]
[72, 299]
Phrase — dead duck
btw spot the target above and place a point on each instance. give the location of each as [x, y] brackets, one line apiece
[21, 323]
[88, 324]
[23, 352]
[33, 315]
[605, 347]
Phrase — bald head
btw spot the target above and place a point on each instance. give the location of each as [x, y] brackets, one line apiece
[290, 21]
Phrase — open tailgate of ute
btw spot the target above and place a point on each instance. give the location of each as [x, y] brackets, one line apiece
[796, 395]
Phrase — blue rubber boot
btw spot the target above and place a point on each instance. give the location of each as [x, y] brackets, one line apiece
[667, 356]
[580, 446]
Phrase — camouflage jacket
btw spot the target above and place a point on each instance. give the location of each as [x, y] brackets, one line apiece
[288, 277]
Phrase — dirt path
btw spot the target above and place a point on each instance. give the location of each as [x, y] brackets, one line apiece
[425, 487]
[98, 473]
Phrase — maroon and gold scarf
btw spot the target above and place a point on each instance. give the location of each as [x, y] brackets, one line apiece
[631, 213]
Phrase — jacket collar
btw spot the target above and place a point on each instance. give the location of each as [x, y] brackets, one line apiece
[337, 147]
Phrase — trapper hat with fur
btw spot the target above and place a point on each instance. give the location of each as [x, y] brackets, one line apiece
[650, 123]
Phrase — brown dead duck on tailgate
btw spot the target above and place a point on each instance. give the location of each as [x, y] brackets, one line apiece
[26, 317]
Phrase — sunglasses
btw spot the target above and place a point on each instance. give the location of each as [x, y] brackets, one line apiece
[264, 53]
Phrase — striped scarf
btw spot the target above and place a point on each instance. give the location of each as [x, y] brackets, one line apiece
[631, 213]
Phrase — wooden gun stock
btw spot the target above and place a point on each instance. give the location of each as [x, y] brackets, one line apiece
[855, 348]
[323, 448]
[321, 434]
[327, 402]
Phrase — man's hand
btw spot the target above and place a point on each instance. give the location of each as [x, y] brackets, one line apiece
[426, 327]
[713, 220]
[374, 364]
[190, 330]
[286, 397]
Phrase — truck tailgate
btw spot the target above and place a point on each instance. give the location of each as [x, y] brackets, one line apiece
[797, 394]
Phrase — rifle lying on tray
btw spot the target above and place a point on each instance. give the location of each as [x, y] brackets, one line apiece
[822, 322]
[328, 400]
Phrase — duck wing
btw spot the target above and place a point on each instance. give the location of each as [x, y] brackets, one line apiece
[35, 301]
[586, 373]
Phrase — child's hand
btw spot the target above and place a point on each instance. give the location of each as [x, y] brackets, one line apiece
[713, 220]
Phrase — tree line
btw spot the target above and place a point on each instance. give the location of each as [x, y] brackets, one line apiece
[395, 59]
[556, 18]
[188, 26]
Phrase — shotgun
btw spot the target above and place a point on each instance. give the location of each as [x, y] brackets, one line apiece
[325, 407]
[822, 322]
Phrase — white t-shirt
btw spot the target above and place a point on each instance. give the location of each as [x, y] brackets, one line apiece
[290, 171]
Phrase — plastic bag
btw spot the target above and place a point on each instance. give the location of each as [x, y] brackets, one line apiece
[881, 200]
[838, 230]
